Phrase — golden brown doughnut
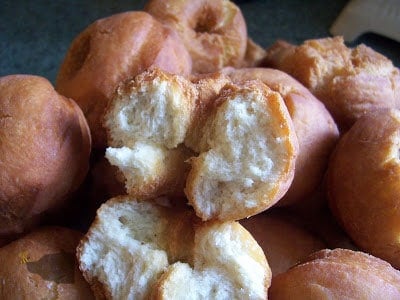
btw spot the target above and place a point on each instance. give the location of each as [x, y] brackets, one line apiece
[43, 265]
[315, 128]
[363, 184]
[44, 150]
[213, 31]
[285, 243]
[337, 274]
[112, 50]
[350, 82]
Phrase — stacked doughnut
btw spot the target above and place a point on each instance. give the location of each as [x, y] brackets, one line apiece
[208, 164]
[217, 142]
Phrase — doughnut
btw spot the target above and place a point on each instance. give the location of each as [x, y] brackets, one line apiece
[110, 51]
[146, 125]
[43, 265]
[363, 184]
[146, 250]
[337, 274]
[284, 242]
[213, 31]
[44, 151]
[349, 81]
[166, 132]
[315, 129]
[247, 150]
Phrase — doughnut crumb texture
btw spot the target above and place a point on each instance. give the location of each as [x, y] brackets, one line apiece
[146, 124]
[349, 81]
[144, 250]
[247, 150]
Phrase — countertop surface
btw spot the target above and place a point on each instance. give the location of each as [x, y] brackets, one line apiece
[35, 35]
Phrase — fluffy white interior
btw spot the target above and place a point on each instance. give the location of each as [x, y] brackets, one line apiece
[127, 251]
[223, 269]
[155, 111]
[114, 254]
[139, 164]
[186, 283]
[243, 154]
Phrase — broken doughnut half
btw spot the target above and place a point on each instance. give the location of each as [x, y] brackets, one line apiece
[146, 124]
[247, 150]
[146, 250]
[229, 148]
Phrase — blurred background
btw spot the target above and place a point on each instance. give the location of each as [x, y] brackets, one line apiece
[35, 35]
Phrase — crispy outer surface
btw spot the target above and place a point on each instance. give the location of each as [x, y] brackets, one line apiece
[350, 81]
[110, 51]
[214, 31]
[338, 274]
[363, 183]
[44, 146]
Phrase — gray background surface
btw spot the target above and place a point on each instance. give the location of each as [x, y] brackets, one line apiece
[35, 35]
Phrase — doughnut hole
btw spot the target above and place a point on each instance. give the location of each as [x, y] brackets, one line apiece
[214, 32]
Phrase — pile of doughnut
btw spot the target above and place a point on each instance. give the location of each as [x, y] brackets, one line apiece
[177, 159]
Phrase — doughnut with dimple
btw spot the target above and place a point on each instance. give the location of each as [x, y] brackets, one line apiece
[337, 274]
[144, 250]
[315, 129]
[363, 184]
[213, 31]
[350, 82]
[110, 51]
[44, 151]
[43, 265]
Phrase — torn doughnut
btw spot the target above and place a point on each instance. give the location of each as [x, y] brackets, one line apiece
[246, 148]
[146, 125]
[315, 129]
[213, 31]
[110, 51]
[144, 250]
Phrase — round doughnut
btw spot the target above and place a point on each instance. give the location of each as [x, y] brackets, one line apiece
[337, 274]
[363, 184]
[43, 265]
[213, 31]
[349, 81]
[283, 241]
[44, 150]
[315, 128]
[112, 50]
